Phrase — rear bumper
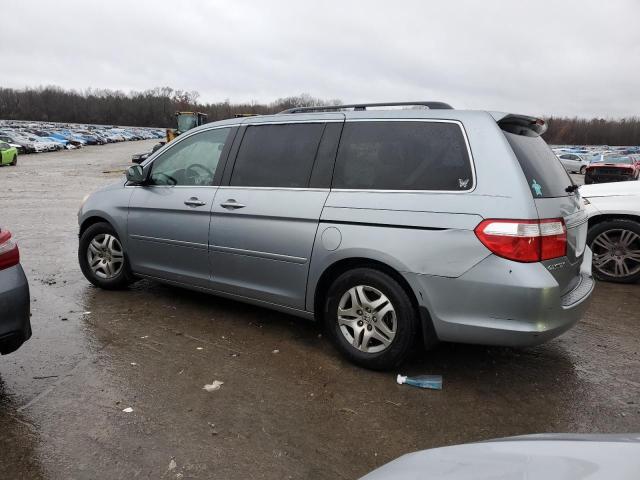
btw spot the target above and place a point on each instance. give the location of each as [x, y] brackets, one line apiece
[499, 302]
[15, 325]
[608, 177]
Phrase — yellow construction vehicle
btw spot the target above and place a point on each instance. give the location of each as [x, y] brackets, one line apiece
[186, 121]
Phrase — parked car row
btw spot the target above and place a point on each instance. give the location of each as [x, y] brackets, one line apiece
[601, 164]
[35, 137]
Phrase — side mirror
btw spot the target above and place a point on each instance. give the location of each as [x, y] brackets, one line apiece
[135, 174]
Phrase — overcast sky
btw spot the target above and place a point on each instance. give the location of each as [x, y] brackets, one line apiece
[559, 57]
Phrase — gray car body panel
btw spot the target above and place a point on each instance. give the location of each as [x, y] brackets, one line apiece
[552, 457]
[15, 324]
[275, 249]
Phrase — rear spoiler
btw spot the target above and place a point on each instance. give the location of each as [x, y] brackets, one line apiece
[520, 124]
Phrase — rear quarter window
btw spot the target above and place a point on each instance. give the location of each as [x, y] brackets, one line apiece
[545, 175]
[403, 155]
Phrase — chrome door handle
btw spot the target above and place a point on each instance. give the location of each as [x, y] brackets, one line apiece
[231, 204]
[194, 202]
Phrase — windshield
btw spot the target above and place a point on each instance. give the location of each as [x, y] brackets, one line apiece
[186, 122]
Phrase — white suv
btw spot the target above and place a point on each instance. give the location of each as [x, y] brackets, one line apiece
[614, 229]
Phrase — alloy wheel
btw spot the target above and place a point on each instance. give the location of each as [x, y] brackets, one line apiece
[367, 319]
[617, 253]
[105, 256]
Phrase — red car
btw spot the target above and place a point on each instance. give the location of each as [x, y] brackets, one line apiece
[613, 168]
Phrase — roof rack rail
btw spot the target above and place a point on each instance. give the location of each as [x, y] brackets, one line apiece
[363, 106]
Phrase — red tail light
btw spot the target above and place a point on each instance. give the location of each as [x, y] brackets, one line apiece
[9, 253]
[524, 240]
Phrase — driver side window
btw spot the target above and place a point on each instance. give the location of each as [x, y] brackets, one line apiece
[192, 161]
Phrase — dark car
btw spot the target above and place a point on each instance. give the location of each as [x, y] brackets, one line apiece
[612, 168]
[15, 326]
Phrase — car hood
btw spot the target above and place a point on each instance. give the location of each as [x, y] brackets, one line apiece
[552, 457]
[610, 189]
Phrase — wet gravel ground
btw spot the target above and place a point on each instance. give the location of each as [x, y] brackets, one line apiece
[302, 412]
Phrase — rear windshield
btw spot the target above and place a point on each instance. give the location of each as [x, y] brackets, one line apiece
[545, 174]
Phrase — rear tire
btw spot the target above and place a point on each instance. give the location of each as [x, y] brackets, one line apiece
[616, 250]
[370, 318]
[102, 258]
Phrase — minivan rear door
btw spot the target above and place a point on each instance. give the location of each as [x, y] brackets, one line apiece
[554, 194]
[266, 214]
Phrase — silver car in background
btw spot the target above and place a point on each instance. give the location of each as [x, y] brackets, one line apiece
[387, 225]
[574, 163]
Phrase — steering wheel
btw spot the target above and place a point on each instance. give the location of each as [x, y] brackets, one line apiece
[195, 178]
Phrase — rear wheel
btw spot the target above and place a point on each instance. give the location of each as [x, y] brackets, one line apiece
[616, 250]
[102, 258]
[370, 318]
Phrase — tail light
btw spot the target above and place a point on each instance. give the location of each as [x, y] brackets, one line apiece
[9, 253]
[524, 240]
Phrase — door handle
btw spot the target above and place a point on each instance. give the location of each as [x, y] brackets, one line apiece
[194, 202]
[231, 204]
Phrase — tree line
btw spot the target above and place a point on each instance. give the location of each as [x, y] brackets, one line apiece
[156, 108]
[149, 108]
[595, 131]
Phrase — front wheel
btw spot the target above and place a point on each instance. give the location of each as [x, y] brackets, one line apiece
[370, 318]
[616, 250]
[102, 258]
[583, 170]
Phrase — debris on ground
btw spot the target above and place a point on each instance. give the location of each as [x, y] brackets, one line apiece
[127, 410]
[133, 364]
[348, 410]
[276, 351]
[172, 465]
[199, 348]
[213, 386]
[433, 382]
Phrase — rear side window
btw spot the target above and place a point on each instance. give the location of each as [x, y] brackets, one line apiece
[545, 175]
[277, 155]
[405, 155]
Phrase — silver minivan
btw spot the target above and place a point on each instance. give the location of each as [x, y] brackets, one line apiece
[388, 225]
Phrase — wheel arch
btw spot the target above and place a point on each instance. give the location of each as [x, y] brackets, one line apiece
[92, 220]
[603, 217]
[337, 268]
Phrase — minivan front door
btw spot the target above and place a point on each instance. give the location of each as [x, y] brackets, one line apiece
[264, 222]
[169, 216]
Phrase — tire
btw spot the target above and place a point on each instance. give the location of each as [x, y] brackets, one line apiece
[100, 246]
[583, 170]
[616, 243]
[14, 161]
[397, 327]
